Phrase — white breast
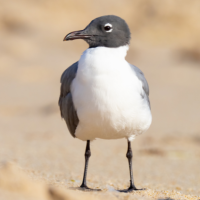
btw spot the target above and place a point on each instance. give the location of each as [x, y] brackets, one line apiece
[107, 96]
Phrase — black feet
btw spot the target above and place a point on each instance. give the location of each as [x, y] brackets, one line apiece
[130, 189]
[86, 188]
[129, 156]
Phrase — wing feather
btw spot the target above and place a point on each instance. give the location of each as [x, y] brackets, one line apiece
[66, 105]
[145, 85]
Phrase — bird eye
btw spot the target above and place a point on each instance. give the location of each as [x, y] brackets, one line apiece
[108, 27]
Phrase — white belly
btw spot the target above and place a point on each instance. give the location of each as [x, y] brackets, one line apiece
[107, 96]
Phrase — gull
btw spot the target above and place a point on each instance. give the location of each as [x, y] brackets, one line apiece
[102, 95]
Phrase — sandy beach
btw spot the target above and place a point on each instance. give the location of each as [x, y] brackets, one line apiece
[39, 159]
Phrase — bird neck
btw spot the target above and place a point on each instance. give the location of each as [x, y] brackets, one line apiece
[118, 52]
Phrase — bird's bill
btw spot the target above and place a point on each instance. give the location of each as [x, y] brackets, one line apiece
[76, 35]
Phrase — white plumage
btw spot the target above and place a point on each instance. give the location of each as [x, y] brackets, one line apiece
[107, 96]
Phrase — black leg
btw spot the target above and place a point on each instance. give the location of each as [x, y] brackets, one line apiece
[129, 155]
[87, 156]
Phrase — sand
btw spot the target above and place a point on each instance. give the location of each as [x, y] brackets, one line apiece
[40, 160]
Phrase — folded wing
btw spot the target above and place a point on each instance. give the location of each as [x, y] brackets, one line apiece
[145, 85]
[66, 105]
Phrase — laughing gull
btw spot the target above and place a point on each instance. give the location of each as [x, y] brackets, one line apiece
[102, 95]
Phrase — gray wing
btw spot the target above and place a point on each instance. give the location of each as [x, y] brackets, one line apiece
[145, 85]
[66, 105]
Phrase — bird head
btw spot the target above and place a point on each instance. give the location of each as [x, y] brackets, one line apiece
[108, 31]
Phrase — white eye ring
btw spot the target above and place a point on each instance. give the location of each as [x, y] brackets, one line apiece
[108, 27]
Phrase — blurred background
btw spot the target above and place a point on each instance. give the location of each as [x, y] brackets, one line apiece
[165, 45]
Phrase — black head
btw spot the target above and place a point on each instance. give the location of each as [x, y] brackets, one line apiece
[107, 31]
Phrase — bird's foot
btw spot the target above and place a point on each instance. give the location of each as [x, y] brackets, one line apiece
[86, 188]
[130, 189]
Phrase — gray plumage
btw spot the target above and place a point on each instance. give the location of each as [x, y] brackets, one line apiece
[145, 85]
[67, 109]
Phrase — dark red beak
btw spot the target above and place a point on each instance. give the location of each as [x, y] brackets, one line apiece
[76, 35]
